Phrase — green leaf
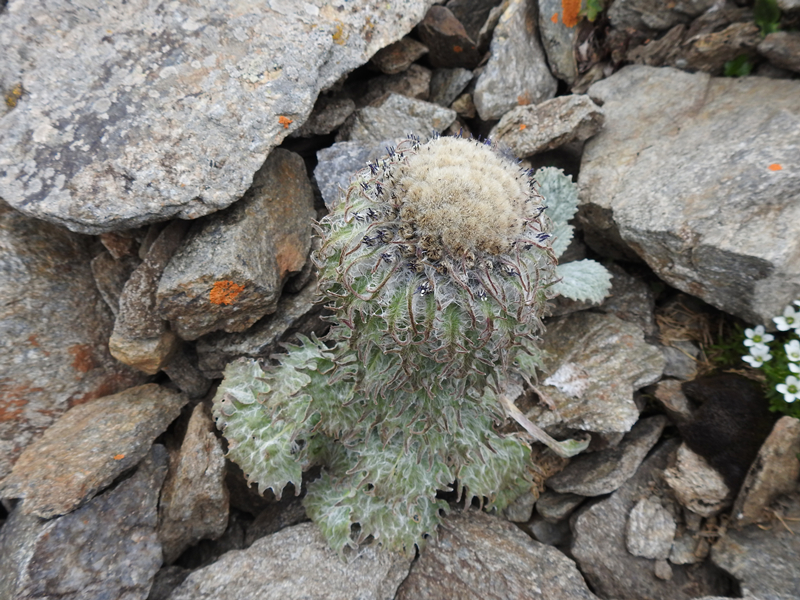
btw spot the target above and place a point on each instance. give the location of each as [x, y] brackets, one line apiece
[741, 66]
[561, 198]
[583, 280]
[767, 16]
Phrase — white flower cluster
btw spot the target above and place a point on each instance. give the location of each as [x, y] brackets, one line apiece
[757, 340]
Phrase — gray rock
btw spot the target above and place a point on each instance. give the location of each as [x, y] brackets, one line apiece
[688, 549]
[110, 275]
[600, 548]
[710, 52]
[447, 85]
[697, 485]
[397, 57]
[88, 447]
[480, 557]
[650, 530]
[685, 198]
[194, 500]
[296, 313]
[337, 164]
[395, 117]
[278, 515]
[464, 106]
[603, 472]
[521, 509]
[106, 549]
[774, 472]
[555, 507]
[183, 372]
[552, 534]
[296, 564]
[558, 41]
[328, 114]
[54, 328]
[415, 82]
[449, 44]
[472, 14]
[529, 130]
[594, 363]
[632, 300]
[166, 580]
[782, 49]
[681, 359]
[517, 71]
[141, 338]
[789, 5]
[230, 269]
[653, 14]
[764, 561]
[168, 112]
[672, 398]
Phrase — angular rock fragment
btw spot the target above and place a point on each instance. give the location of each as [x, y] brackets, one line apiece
[448, 42]
[600, 548]
[593, 365]
[171, 119]
[141, 338]
[647, 15]
[605, 471]
[650, 530]
[478, 556]
[106, 549]
[517, 72]
[415, 82]
[774, 472]
[696, 485]
[194, 500]
[54, 328]
[230, 270]
[782, 49]
[709, 204]
[558, 40]
[397, 57]
[291, 563]
[555, 507]
[111, 275]
[88, 447]
[328, 114]
[764, 559]
[296, 313]
[396, 116]
[529, 130]
[447, 84]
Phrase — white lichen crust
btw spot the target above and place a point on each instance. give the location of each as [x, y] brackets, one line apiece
[437, 262]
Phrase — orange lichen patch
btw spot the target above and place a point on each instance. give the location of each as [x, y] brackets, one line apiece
[13, 96]
[338, 35]
[570, 10]
[457, 49]
[119, 456]
[775, 167]
[522, 126]
[554, 18]
[83, 361]
[224, 292]
[285, 121]
[524, 99]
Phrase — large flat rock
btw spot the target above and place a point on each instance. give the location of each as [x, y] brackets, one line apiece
[136, 112]
[698, 176]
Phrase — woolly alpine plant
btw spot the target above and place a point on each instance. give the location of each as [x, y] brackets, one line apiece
[437, 262]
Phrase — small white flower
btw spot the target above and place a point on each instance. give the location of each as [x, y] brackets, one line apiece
[757, 336]
[789, 320]
[792, 350]
[794, 368]
[790, 389]
[759, 354]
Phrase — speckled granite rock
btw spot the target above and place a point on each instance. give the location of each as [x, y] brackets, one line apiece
[479, 557]
[517, 71]
[292, 564]
[230, 269]
[168, 110]
[194, 501]
[54, 328]
[88, 447]
[396, 116]
[711, 205]
[106, 549]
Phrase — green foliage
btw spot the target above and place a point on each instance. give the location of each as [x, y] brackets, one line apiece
[767, 16]
[405, 395]
[594, 8]
[741, 66]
